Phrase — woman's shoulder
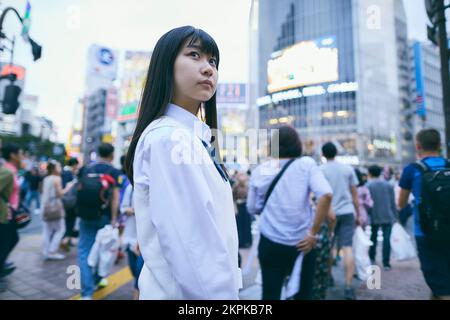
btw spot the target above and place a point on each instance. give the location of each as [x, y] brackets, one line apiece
[307, 161]
[162, 131]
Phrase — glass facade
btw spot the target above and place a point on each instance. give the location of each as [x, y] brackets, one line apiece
[306, 20]
[362, 117]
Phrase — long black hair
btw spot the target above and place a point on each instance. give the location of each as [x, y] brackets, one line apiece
[159, 85]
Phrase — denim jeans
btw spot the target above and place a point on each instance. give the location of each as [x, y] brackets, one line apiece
[88, 231]
[33, 195]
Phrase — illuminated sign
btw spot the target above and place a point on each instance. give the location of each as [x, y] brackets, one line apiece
[17, 70]
[231, 93]
[134, 76]
[307, 92]
[304, 63]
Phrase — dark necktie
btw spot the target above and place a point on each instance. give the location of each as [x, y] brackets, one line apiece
[212, 153]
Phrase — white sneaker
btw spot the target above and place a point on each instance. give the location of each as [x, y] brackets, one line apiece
[56, 256]
[37, 212]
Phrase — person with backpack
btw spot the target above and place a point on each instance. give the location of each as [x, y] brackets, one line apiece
[429, 181]
[97, 206]
[280, 192]
[69, 176]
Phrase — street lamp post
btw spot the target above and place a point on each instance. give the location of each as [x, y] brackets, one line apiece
[36, 49]
[436, 13]
[445, 71]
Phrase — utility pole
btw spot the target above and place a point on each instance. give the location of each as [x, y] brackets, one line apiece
[437, 33]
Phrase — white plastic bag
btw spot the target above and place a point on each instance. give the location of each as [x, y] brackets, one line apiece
[361, 245]
[401, 244]
[292, 284]
[104, 251]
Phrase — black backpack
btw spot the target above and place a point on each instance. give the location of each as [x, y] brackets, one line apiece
[434, 204]
[94, 193]
[70, 198]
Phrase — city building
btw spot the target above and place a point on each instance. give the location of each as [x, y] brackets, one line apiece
[100, 100]
[426, 86]
[337, 71]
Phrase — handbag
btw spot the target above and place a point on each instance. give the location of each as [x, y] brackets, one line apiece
[21, 216]
[53, 208]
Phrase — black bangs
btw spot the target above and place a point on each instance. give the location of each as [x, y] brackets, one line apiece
[207, 43]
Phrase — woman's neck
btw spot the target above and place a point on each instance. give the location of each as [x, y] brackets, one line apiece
[187, 104]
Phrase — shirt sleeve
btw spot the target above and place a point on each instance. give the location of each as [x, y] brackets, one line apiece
[353, 178]
[183, 215]
[392, 200]
[318, 184]
[407, 178]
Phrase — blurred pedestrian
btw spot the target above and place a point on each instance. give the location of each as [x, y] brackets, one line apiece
[6, 190]
[182, 195]
[69, 176]
[129, 241]
[383, 214]
[243, 218]
[365, 199]
[9, 236]
[97, 206]
[289, 228]
[34, 180]
[53, 211]
[344, 182]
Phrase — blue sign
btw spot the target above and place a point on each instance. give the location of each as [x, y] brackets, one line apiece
[105, 56]
[421, 109]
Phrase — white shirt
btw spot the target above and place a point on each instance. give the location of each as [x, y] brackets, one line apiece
[288, 215]
[184, 213]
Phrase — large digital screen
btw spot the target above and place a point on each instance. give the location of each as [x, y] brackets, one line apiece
[304, 63]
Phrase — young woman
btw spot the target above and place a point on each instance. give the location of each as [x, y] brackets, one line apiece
[182, 197]
[288, 224]
[53, 211]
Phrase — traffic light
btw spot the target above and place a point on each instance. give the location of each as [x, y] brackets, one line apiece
[11, 99]
[432, 35]
[430, 6]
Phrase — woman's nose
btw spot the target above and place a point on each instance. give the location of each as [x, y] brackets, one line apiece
[207, 70]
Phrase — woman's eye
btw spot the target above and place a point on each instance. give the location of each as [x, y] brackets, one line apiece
[213, 61]
[194, 54]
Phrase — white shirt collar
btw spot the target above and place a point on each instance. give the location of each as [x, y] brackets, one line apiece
[187, 119]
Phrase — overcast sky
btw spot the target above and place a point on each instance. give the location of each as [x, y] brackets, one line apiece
[65, 29]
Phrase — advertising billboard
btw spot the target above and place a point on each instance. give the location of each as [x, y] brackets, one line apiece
[102, 64]
[133, 80]
[302, 64]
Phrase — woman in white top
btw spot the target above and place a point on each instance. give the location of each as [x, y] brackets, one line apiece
[53, 211]
[182, 198]
[288, 224]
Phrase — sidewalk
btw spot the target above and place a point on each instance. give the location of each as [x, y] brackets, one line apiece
[38, 279]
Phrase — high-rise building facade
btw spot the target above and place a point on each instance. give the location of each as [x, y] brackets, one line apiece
[426, 87]
[336, 70]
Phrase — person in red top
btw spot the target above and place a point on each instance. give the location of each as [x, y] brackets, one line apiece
[13, 155]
